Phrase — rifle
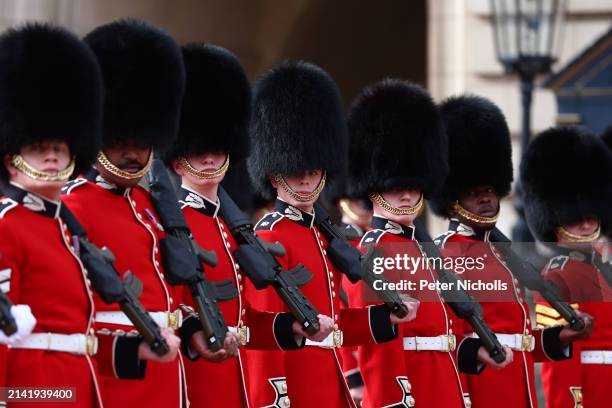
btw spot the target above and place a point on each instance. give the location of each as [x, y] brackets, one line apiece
[257, 259]
[529, 276]
[106, 282]
[461, 303]
[7, 322]
[183, 259]
[355, 265]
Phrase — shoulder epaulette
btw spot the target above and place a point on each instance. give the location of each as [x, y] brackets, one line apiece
[267, 222]
[440, 240]
[6, 205]
[558, 262]
[371, 237]
[72, 184]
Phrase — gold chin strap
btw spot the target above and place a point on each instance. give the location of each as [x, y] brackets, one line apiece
[23, 166]
[479, 220]
[111, 168]
[346, 208]
[579, 238]
[204, 175]
[415, 209]
[297, 196]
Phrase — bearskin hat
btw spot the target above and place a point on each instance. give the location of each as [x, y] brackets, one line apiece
[396, 140]
[479, 149]
[216, 104]
[566, 175]
[50, 89]
[297, 124]
[607, 137]
[144, 79]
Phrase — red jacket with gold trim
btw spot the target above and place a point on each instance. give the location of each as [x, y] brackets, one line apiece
[225, 384]
[506, 312]
[395, 377]
[124, 220]
[581, 282]
[314, 374]
[46, 274]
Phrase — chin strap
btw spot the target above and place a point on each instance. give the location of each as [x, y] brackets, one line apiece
[26, 168]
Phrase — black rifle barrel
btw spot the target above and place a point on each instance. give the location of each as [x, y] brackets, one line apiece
[261, 267]
[529, 276]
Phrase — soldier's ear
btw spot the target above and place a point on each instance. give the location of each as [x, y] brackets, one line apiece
[178, 169]
[273, 182]
[12, 171]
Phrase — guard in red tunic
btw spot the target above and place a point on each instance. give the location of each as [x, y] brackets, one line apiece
[50, 110]
[143, 77]
[566, 208]
[214, 133]
[299, 141]
[480, 174]
[398, 158]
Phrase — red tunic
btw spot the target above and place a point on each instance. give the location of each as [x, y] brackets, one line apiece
[125, 222]
[225, 384]
[47, 275]
[314, 374]
[581, 283]
[391, 373]
[506, 312]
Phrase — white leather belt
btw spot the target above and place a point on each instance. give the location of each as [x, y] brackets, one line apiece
[69, 343]
[596, 357]
[438, 343]
[333, 340]
[243, 332]
[516, 342]
[164, 320]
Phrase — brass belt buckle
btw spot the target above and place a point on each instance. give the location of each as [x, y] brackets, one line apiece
[174, 319]
[91, 343]
[527, 342]
[338, 338]
[452, 342]
[245, 335]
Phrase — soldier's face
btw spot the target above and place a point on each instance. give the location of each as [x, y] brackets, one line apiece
[399, 199]
[583, 228]
[480, 200]
[208, 162]
[303, 184]
[49, 157]
[128, 157]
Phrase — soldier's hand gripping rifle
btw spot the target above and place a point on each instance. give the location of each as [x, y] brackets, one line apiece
[353, 264]
[529, 277]
[106, 282]
[183, 258]
[7, 322]
[256, 258]
[461, 303]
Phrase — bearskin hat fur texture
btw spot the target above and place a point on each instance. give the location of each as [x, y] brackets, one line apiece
[297, 124]
[479, 149]
[144, 79]
[50, 89]
[566, 175]
[216, 104]
[396, 140]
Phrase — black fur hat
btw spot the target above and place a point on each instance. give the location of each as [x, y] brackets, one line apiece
[607, 137]
[50, 89]
[144, 78]
[396, 140]
[216, 104]
[479, 147]
[566, 175]
[297, 124]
